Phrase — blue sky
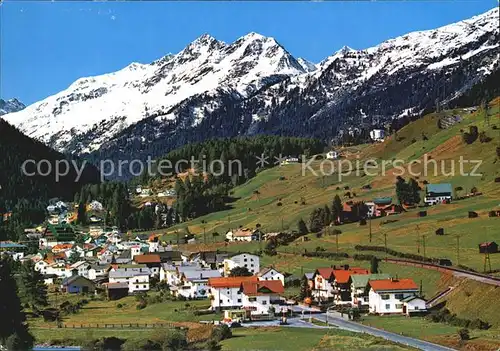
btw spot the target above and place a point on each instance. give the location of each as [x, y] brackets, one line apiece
[45, 46]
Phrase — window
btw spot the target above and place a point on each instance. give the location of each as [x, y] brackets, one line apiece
[264, 302]
[399, 306]
[220, 301]
[239, 300]
[387, 306]
[415, 308]
[252, 299]
[238, 292]
[398, 296]
[144, 286]
[137, 286]
[385, 296]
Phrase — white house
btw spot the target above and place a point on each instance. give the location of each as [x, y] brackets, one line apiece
[136, 278]
[251, 262]
[82, 268]
[244, 292]
[259, 296]
[377, 134]
[438, 193]
[388, 296]
[323, 284]
[414, 305]
[360, 288]
[241, 235]
[194, 283]
[270, 273]
[332, 155]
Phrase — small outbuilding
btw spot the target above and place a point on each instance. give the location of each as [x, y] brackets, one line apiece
[77, 284]
[488, 247]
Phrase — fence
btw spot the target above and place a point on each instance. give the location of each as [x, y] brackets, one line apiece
[118, 326]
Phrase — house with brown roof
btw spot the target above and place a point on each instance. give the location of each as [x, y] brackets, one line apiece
[225, 293]
[394, 296]
[152, 261]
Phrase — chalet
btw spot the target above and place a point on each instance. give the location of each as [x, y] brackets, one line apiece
[334, 284]
[136, 276]
[194, 283]
[152, 261]
[210, 259]
[438, 193]
[414, 305]
[81, 268]
[488, 247]
[247, 260]
[77, 284]
[332, 155]
[322, 284]
[379, 206]
[387, 296]
[259, 296]
[225, 293]
[377, 134]
[170, 257]
[342, 284]
[360, 288]
[270, 273]
[242, 235]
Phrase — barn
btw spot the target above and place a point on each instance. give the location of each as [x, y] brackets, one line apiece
[488, 247]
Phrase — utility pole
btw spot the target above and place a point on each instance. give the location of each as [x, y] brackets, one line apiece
[370, 226]
[337, 242]
[487, 261]
[385, 244]
[423, 238]
[418, 239]
[458, 250]
[177, 234]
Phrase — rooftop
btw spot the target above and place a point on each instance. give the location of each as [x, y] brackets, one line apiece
[393, 284]
[439, 188]
[230, 282]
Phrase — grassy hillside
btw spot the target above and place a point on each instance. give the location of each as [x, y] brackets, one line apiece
[258, 199]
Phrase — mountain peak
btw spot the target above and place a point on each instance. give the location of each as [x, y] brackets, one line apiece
[10, 106]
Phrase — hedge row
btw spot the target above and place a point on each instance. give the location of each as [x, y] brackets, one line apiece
[398, 253]
[326, 254]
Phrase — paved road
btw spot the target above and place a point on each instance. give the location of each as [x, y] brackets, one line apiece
[359, 328]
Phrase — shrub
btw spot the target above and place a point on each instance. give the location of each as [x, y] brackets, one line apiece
[221, 332]
[119, 305]
[464, 334]
[175, 341]
[141, 305]
[213, 345]
[483, 138]
[471, 136]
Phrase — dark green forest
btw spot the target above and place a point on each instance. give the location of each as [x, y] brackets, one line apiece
[26, 197]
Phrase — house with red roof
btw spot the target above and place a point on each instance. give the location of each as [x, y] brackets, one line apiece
[333, 283]
[248, 293]
[394, 296]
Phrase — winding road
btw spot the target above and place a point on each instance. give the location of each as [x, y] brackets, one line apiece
[360, 328]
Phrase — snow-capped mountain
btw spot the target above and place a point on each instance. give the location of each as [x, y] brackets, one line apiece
[213, 89]
[109, 103]
[10, 106]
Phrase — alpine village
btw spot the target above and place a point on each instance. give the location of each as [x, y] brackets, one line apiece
[297, 250]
